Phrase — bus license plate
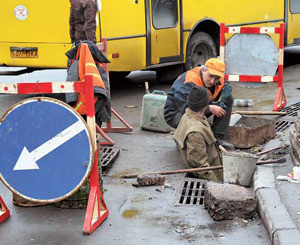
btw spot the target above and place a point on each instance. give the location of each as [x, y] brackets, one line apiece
[18, 52]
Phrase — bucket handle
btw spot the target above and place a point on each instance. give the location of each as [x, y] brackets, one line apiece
[159, 92]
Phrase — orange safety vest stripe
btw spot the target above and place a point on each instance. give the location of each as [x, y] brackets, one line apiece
[194, 77]
[87, 65]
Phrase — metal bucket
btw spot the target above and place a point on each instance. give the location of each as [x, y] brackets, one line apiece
[238, 168]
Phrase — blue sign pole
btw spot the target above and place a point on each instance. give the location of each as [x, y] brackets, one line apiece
[46, 150]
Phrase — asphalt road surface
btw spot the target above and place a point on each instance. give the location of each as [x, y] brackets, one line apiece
[137, 215]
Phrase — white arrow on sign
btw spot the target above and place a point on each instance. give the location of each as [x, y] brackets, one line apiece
[27, 160]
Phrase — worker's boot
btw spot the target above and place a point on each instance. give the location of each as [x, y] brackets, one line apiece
[221, 141]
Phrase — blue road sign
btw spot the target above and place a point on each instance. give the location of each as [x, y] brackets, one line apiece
[46, 151]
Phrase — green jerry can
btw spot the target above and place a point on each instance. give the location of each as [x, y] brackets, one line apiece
[152, 117]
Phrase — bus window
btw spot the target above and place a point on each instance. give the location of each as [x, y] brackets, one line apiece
[164, 13]
[295, 6]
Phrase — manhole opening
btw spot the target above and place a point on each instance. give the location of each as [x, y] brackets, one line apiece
[191, 192]
[291, 110]
[107, 157]
[282, 125]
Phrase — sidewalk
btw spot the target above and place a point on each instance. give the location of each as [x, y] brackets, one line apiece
[278, 201]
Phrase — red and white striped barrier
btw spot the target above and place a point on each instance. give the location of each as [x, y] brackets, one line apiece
[96, 211]
[244, 78]
[4, 211]
[280, 100]
[47, 87]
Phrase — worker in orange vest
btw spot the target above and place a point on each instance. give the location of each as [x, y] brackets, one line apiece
[211, 77]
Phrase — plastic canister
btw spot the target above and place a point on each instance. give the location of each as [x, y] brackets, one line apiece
[296, 171]
[152, 117]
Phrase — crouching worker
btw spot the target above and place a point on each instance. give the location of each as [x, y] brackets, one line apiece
[211, 77]
[195, 138]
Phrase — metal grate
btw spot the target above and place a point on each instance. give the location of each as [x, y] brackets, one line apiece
[282, 125]
[288, 120]
[191, 192]
[107, 156]
[291, 110]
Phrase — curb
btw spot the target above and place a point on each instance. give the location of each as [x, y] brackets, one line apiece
[277, 221]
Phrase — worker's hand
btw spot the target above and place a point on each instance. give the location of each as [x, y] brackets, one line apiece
[217, 111]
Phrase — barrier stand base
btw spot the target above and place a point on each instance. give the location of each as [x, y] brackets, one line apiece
[4, 211]
[109, 141]
[280, 100]
[96, 211]
[110, 129]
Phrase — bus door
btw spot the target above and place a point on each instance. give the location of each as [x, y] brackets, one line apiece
[163, 32]
[293, 22]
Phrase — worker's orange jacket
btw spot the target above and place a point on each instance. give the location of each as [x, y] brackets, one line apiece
[177, 96]
[87, 65]
[87, 59]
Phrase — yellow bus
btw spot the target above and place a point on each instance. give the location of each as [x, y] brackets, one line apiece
[141, 34]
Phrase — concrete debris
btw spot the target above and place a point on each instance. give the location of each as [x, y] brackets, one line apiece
[130, 106]
[150, 179]
[234, 119]
[295, 141]
[227, 201]
[251, 131]
[286, 178]
[167, 185]
[163, 187]
[22, 202]
[160, 189]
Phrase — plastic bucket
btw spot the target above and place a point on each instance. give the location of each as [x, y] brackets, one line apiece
[238, 168]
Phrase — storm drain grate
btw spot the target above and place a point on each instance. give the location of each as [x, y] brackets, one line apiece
[288, 120]
[191, 192]
[107, 156]
[291, 110]
[282, 125]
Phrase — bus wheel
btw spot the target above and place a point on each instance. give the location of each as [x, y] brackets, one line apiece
[169, 73]
[200, 48]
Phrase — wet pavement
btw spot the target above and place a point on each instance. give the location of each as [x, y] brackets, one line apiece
[140, 215]
[289, 192]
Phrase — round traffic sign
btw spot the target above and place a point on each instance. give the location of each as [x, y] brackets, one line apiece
[46, 150]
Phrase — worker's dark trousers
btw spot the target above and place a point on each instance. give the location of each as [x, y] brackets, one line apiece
[221, 124]
[98, 110]
[98, 105]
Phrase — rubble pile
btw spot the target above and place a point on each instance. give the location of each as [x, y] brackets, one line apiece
[150, 179]
[295, 141]
[227, 201]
